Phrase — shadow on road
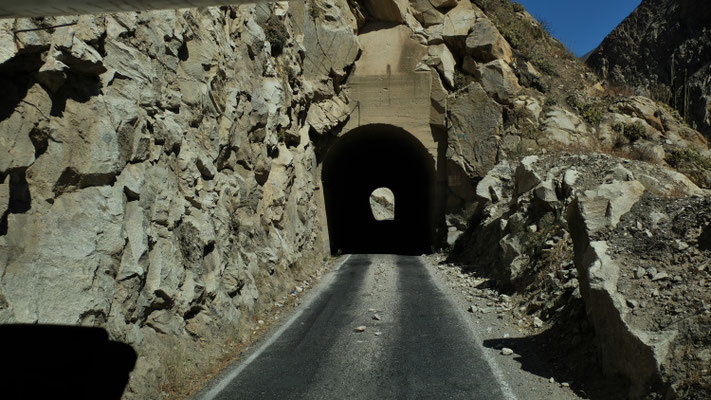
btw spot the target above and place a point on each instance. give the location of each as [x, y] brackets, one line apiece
[566, 359]
[52, 362]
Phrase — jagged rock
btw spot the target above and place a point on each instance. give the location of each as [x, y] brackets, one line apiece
[485, 44]
[499, 80]
[4, 196]
[16, 147]
[545, 192]
[326, 115]
[8, 48]
[442, 59]
[438, 112]
[635, 354]
[526, 178]
[563, 126]
[426, 13]
[458, 21]
[72, 246]
[603, 206]
[475, 120]
[491, 187]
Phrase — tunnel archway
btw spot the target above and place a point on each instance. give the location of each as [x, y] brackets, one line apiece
[371, 157]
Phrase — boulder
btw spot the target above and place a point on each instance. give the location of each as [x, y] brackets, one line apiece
[485, 44]
[499, 80]
[426, 13]
[458, 21]
[476, 120]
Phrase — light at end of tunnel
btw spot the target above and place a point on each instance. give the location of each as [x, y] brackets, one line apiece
[382, 204]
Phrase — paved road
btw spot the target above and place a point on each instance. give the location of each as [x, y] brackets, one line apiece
[420, 349]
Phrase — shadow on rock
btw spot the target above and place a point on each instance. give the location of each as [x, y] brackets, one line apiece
[46, 361]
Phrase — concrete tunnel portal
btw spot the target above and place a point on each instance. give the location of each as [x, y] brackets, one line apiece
[368, 158]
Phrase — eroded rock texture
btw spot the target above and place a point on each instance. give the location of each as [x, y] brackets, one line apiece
[156, 174]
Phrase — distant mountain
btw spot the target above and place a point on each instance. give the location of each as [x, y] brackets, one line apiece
[663, 40]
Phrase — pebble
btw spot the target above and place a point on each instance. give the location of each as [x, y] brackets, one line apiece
[376, 317]
[371, 310]
[632, 303]
[472, 308]
[659, 276]
[506, 351]
[565, 384]
[552, 380]
[260, 322]
[639, 272]
[537, 322]
[681, 245]
[360, 329]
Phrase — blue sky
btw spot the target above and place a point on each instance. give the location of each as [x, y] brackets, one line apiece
[580, 25]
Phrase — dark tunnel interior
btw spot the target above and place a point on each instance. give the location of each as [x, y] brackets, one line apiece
[368, 158]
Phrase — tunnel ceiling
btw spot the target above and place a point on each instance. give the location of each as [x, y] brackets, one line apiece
[363, 160]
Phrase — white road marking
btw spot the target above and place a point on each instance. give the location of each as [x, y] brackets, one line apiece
[238, 368]
[498, 373]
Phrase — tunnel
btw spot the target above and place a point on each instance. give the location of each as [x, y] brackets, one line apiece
[372, 157]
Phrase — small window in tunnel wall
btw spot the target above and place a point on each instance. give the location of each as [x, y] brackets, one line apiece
[382, 204]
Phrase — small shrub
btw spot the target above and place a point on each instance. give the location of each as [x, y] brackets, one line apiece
[483, 4]
[542, 63]
[550, 102]
[634, 131]
[460, 80]
[618, 127]
[517, 7]
[680, 156]
[512, 36]
[276, 35]
[592, 114]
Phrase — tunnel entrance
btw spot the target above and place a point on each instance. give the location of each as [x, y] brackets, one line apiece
[372, 157]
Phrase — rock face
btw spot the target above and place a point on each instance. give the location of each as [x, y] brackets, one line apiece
[156, 176]
[160, 172]
[660, 41]
[570, 227]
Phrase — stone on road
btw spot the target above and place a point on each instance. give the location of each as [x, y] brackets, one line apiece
[422, 347]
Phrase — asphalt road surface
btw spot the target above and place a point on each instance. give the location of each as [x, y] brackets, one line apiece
[420, 348]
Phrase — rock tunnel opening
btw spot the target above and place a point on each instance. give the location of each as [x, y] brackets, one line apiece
[372, 157]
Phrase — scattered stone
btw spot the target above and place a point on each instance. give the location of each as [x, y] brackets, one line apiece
[376, 317]
[537, 322]
[506, 351]
[360, 329]
[640, 273]
[660, 276]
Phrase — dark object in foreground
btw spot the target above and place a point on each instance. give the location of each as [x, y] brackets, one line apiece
[46, 362]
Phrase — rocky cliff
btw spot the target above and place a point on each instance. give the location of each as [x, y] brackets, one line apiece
[156, 174]
[663, 50]
[161, 172]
